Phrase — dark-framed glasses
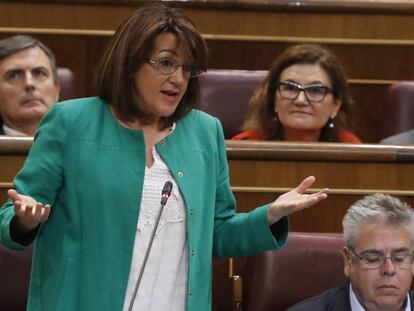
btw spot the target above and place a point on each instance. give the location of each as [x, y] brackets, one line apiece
[374, 260]
[167, 66]
[313, 92]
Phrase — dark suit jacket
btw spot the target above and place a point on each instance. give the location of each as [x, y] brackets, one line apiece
[334, 299]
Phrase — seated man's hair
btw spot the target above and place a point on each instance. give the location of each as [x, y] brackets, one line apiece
[373, 209]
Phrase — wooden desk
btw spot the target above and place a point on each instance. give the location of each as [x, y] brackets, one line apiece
[13, 152]
[260, 171]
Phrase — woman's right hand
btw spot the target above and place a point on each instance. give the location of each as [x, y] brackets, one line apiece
[29, 212]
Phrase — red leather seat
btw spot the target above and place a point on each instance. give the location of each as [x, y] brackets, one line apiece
[68, 88]
[309, 264]
[398, 114]
[225, 94]
[15, 269]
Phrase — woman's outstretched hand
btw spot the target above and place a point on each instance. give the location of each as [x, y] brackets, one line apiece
[295, 200]
[29, 212]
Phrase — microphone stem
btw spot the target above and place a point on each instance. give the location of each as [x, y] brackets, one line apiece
[144, 263]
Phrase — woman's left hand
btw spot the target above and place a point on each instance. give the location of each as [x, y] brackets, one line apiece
[295, 200]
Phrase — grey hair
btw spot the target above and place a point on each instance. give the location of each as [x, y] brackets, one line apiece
[14, 44]
[377, 208]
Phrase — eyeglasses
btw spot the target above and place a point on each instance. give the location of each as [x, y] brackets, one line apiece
[166, 66]
[376, 259]
[313, 93]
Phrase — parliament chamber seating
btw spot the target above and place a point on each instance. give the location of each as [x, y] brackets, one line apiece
[225, 94]
[14, 278]
[274, 280]
[398, 114]
[309, 264]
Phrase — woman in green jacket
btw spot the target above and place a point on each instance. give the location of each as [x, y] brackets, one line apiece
[89, 190]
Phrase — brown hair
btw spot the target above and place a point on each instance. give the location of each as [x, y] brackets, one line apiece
[261, 112]
[128, 49]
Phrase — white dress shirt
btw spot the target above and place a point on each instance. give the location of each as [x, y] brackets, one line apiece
[356, 306]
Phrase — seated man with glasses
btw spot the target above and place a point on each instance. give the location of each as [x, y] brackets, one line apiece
[378, 258]
[305, 97]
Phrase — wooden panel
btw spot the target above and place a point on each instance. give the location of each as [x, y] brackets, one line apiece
[261, 171]
[396, 6]
[63, 16]
[359, 58]
[13, 152]
[290, 20]
[323, 25]
[268, 175]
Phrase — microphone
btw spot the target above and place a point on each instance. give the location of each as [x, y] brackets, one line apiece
[165, 194]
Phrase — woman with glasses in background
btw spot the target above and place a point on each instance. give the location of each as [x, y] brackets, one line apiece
[305, 97]
[90, 190]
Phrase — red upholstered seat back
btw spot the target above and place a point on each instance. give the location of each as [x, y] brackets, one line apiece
[15, 269]
[309, 264]
[225, 94]
[68, 87]
[398, 115]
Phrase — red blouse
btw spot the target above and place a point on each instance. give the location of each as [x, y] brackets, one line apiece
[344, 137]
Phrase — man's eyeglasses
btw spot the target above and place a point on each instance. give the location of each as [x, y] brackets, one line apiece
[374, 260]
[166, 66]
[313, 93]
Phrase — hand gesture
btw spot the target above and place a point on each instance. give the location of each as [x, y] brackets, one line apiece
[29, 212]
[295, 200]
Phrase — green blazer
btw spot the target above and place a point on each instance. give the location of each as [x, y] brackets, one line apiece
[91, 169]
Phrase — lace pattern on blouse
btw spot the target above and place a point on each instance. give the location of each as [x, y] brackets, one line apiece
[174, 210]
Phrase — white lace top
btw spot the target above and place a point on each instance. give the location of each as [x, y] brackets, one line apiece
[164, 282]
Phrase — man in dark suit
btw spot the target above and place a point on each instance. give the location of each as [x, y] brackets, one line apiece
[378, 259]
[28, 84]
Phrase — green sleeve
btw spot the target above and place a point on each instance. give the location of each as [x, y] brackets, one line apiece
[239, 234]
[41, 176]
